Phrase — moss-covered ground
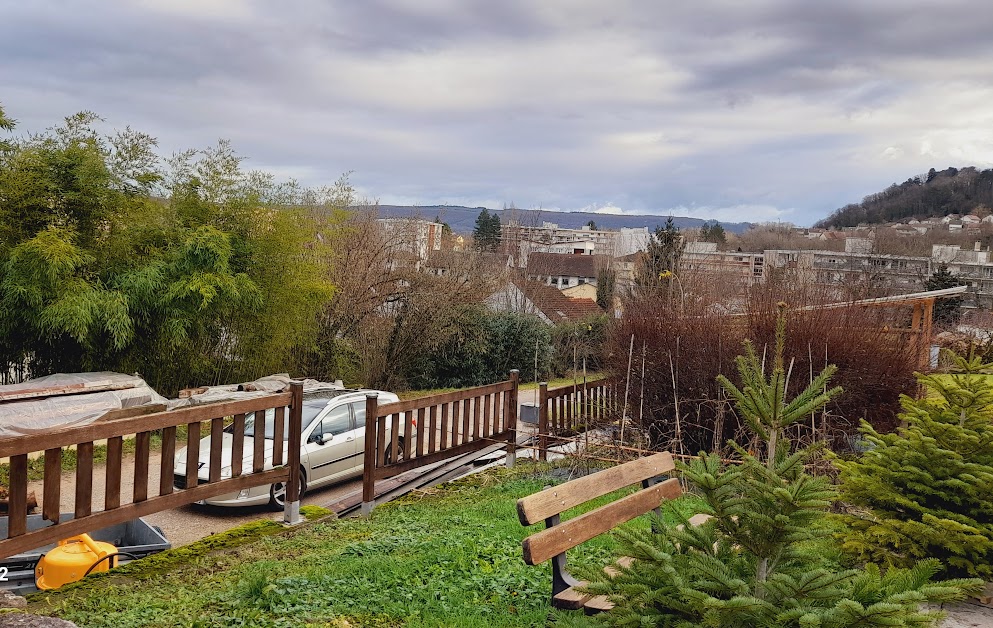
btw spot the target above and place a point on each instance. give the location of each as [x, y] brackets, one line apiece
[449, 556]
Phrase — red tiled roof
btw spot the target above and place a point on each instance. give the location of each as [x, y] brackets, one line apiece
[556, 306]
[564, 265]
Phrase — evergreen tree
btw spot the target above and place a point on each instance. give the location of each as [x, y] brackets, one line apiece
[925, 490]
[762, 560]
[946, 311]
[713, 232]
[655, 273]
[605, 282]
[486, 233]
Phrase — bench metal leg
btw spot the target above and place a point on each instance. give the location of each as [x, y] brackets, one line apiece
[561, 578]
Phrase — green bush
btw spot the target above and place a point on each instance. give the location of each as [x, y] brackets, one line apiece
[924, 491]
[484, 347]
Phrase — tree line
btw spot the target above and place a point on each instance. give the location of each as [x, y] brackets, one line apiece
[936, 193]
[191, 269]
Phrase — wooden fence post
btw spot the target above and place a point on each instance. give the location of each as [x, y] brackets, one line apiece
[369, 460]
[543, 421]
[291, 505]
[515, 377]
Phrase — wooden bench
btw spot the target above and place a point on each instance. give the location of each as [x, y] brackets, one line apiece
[558, 537]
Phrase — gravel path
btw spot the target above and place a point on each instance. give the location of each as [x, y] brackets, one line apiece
[969, 616]
[188, 523]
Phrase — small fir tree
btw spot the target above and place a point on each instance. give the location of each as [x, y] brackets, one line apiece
[925, 489]
[762, 558]
[946, 311]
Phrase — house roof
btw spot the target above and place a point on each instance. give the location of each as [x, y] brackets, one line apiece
[556, 306]
[565, 265]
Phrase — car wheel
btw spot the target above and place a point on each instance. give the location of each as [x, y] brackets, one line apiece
[389, 452]
[277, 493]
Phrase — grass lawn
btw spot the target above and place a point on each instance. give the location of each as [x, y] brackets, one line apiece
[447, 557]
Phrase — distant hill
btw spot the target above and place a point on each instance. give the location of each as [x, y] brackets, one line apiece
[463, 219]
[950, 191]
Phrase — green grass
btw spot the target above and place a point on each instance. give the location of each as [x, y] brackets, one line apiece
[447, 557]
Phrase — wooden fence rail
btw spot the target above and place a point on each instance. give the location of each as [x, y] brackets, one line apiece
[569, 409]
[171, 492]
[408, 434]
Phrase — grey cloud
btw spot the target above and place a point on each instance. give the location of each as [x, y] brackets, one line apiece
[286, 83]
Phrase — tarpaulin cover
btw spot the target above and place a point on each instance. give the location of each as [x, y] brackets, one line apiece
[32, 415]
[258, 388]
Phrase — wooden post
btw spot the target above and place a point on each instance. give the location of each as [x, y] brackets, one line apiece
[543, 421]
[515, 377]
[291, 508]
[369, 461]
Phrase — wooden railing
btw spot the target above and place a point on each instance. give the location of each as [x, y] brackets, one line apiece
[570, 409]
[409, 434]
[19, 539]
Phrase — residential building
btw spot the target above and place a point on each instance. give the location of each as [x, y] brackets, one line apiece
[544, 301]
[564, 271]
[417, 237]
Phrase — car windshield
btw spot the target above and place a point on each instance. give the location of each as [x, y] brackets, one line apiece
[311, 408]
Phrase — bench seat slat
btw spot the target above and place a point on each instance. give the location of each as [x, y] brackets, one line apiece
[558, 499]
[553, 541]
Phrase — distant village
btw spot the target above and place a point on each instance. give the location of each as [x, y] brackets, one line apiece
[553, 272]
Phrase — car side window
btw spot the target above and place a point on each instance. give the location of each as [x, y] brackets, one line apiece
[358, 408]
[336, 422]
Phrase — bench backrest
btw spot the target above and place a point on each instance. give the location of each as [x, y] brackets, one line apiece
[552, 501]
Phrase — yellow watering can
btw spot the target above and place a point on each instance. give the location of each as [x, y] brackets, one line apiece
[72, 560]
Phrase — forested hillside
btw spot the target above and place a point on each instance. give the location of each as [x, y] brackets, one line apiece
[950, 191]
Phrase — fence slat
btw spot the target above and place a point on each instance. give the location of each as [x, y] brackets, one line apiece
[433, 434]
[238, 445]
[112, 481]
[167, 463]
[216, 447]
[476, 410]
[258, 444]
[52, 490]
[487, 417]
[84, 479]
[17, 505]
[278, 431]
[466, 410]
[141, 451]
[380, 442]
[421, 428]
[192, 455]
[408, 436]
[394, 437]
[444, 425]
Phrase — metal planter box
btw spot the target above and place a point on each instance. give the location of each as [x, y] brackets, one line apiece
[134, 537]
[529, 413]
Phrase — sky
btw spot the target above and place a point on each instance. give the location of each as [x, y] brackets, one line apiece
[762, 110]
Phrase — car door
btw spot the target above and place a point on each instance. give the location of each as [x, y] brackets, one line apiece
[330, 445]
[358, 412]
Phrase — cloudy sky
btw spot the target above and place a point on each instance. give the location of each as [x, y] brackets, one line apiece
[738, 110]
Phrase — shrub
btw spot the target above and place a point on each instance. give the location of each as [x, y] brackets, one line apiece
[483, 348]
[687, 345]
[925, 489]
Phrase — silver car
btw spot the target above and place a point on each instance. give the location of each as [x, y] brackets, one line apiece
[332, 447]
